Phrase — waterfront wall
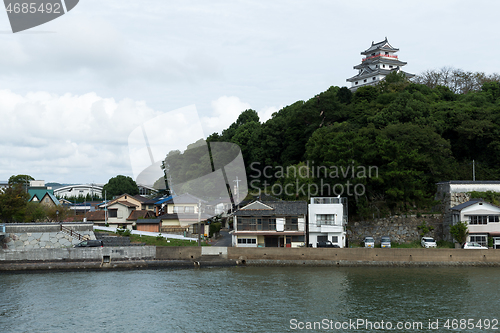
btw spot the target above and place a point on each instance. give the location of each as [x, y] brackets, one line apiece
[401, 229]
[80, 254]
[28, 236]
[353, 255]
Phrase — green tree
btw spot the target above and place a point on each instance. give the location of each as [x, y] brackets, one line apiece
[460, 231]
[23, 180]
[13, 200]
[35, 212]
[119, 185]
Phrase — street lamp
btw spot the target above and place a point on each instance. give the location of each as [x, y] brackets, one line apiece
[57, 215]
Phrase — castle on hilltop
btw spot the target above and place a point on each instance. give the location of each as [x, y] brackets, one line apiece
[380, 59]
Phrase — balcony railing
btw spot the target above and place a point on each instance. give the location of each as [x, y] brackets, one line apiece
[327, 200]
[380, 55]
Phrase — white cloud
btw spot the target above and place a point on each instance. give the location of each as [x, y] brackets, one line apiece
[67, 138]
[267, 112]
[226, 110]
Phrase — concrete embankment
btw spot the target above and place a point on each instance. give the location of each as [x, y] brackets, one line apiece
[340, 257]
[147, 257]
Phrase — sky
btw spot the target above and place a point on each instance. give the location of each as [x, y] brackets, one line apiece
[73, 90]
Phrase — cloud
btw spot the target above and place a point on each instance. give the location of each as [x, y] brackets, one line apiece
[226, 110]
[267, 112]
[67, 138]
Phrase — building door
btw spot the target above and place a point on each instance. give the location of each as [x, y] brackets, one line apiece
[271, 241]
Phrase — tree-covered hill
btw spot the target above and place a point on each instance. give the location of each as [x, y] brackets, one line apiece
[393, 141]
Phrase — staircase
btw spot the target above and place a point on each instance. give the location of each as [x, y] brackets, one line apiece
[74, 234]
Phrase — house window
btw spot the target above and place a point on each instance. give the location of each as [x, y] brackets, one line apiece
[373, 54]
[325, 219]
[374, 78]
[356, 82]
[113, 213]
[247, 241]
[266, 224]
[480, 239]
[386, 53]
[390, 66]
[493, 218]
[335, 239]
[322, 238]
[291, 224]
[247, 224]
[383, 66]
[478, 219]
[189, 209]
[364, 80]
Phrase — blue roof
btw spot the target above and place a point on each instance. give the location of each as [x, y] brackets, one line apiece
[467, 204]
[164, 200]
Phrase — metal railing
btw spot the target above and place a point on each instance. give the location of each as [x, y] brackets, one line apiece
[73, 233]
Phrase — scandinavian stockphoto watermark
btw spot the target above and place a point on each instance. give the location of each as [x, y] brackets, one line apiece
[171, 146]
[361, 324]
[26, 14]
[311, 180]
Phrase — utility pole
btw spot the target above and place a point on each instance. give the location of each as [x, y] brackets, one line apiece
[199, 222]
[473, 170]
[237, 181]
[105, 209]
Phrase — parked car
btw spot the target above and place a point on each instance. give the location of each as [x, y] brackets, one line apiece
[327, 244]
[474, 245]
[385, 241]
[90, 243]
[369, 241]
[428, 242]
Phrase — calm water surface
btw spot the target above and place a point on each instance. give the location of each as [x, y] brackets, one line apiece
[247, 299]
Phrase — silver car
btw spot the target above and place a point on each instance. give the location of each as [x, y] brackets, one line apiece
[385, 241]
[474, 245]
[428, 242]
[369, 242]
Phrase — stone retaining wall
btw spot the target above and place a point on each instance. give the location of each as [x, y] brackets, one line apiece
[28, 236]
[401, 229]
[76, 254]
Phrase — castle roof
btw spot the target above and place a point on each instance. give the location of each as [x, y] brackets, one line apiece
[380, 46]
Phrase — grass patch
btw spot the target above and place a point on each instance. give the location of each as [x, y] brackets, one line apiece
[155, 241]
[412, 245]
[150, 240]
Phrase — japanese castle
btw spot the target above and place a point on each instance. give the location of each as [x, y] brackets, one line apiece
[380, 59]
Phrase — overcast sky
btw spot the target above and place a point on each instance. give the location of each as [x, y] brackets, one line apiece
[73, 90]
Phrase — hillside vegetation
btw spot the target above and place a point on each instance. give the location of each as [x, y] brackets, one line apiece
[385, 146]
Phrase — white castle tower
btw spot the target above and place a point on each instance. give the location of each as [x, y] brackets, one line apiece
[380, 59]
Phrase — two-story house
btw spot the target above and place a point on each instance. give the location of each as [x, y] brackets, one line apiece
[270, 224]
[327, 221]
[180, 213]
[483, 220]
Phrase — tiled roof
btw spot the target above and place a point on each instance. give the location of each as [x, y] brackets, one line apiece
[467, 204]
[380, 45]
[280, 208]
[126, 203]
[140, 214]
[97, 215]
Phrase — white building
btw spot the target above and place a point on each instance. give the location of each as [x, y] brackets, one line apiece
[270, 224]
[380, 59]
[482, 218]
[78, 190]
[327, 221]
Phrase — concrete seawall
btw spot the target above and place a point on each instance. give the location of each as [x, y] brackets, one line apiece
[142, 257]
[360, 256]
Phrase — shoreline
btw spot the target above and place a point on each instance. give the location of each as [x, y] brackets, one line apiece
[75, 266]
